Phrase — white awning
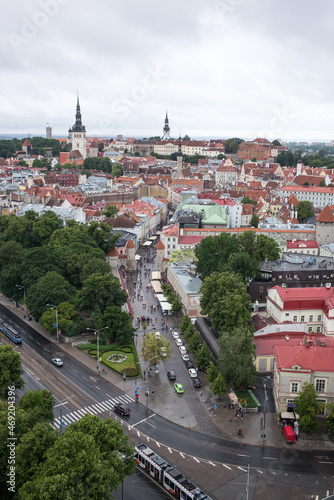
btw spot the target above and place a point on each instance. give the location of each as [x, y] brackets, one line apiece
[161, 297]
[166, 306]
[147, 243]
[156, 285]
[156, 275]
[137, 257]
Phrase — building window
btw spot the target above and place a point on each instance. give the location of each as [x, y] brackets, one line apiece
[302, 318]
[287, 314]
[318, 329]
[319, 317]
[294, 387]
[295, 318]
[320, 384]
[310, 318]
[261, 289]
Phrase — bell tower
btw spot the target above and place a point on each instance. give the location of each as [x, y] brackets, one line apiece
[166, 129]
[77, 134]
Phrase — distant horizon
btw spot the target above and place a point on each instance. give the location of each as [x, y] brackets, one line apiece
[197, 138]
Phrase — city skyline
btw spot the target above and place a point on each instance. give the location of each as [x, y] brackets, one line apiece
[222, 68]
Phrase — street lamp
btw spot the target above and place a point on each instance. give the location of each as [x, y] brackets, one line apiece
[25, 302]
[265, 409]
[56, 308]
[62, 402]
[96, 332]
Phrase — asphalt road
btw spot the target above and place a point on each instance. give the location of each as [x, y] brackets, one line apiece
[217, 465]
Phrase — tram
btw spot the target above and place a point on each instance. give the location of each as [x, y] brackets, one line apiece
[169, 477]
[10, 332]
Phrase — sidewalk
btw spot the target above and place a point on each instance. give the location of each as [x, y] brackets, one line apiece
[196, 409]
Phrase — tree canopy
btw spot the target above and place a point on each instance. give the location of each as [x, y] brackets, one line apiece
[308, 407]
[151, 347]
[226, 300]
[237, 358]
[305, 210]
[11, 370]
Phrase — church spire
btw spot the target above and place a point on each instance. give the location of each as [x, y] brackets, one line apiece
[78, 113]
[166, 129]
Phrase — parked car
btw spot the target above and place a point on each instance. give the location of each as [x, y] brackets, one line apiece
[192, 372]
[158, 335]
[57, 362]
[189, 364]
[175, 335]
[163, 351]
[120, 408]
[178, 388]
[182, 349]
[185, 357]
[178, 342]
[196, 382]
[171, 375]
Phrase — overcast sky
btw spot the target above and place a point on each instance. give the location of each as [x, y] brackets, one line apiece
[222, 68]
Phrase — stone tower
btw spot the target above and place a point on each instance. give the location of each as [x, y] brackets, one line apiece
[131, 262]
[166, 130]
[77, 134]
[48, 132]
[325, 227]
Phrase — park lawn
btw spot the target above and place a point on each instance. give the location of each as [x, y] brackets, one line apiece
[130, 366]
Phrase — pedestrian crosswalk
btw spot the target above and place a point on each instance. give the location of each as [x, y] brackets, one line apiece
[74, 416]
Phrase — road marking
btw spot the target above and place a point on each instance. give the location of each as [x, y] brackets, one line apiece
[260, 471]
[38, 343]
[170, 450]
[273, 472]
[74, 370]
[269, 458]
[108, 395]
[97, 388]
[239, 455]
[182, 455]
[244, 470]
[196, 460]
[138, 433]
[144, 420]
[157, 444]
[211, 463]
[227, 467]
[325, 462]
[30, 336]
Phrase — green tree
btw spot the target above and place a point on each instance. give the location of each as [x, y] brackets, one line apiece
[203, 356]
[266, 248]
[304, 210]
[45, 226]
[51, 288]
[118, 323]
[218, 386]
[308, 407]
[176, 305]
[212, 253]
[330, 419]
[185, 323]
[151, 347]
[99, 291]
[186, 138]
[41, 402]
[225, 299]
[100, 146]
[31, 451]
[11, 252]
[194, 342]
[117, 170]
[212, 372]
[110, 211]
[244, 266]
[254, 159]
[11, 370]
[322, 183]
[254, 220]
[67, 314]
[237, 358]
[276, 143]
[86, 461]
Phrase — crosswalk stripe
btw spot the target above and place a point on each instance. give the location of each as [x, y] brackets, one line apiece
[89, 411]
[106, 408]
[76, 414]
[69, 419]
[98, 407]
[81, 412]
[110, 406]
[92, 410]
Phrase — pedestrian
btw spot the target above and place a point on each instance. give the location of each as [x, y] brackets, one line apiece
[144, 373]
[261, 423]
[152, 393]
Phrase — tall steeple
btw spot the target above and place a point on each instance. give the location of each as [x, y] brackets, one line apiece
[77, 134]
[166, 129]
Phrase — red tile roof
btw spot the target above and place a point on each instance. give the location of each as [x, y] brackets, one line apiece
[112, 253]
[160, 245]
[326, 215]
[301, 244]
[314, 358]
[130, 244]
